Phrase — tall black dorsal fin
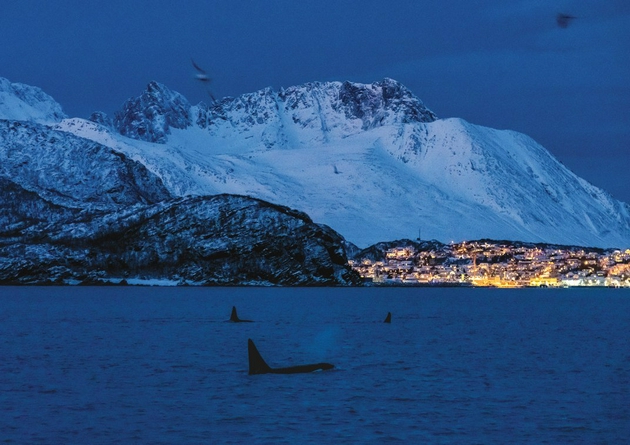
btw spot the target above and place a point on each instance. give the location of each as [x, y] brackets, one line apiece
[388, 319]
[256, 363]
[235, 319]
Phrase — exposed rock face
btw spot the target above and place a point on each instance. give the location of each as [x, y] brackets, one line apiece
[375, 103]
[150, 116]
[21, 210]
[101, 118]
[318, 106]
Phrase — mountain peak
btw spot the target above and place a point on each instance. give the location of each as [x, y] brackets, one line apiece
[22, 102]
[150, 116]
[374, 102]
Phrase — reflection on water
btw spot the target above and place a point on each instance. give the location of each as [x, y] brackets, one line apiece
[163, 365]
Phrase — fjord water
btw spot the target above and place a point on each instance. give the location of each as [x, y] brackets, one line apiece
[162, 365]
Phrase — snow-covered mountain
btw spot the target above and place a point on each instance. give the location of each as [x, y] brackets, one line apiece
[369, 160]
[73, 210]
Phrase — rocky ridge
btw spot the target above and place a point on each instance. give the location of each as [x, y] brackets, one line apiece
[216, 240]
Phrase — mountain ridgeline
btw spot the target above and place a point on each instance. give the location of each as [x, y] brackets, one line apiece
[169, 190]
[151, 116]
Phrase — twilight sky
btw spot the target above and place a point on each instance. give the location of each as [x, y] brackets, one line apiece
[502, 64]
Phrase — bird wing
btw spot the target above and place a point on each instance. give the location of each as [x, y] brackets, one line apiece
[197, 66]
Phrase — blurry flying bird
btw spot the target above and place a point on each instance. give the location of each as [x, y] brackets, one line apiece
[203, 77]
[563, 20]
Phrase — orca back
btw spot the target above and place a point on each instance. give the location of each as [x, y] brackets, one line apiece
[388, 319]
[257, 364]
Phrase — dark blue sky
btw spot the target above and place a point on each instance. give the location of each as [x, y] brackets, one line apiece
[503, 64]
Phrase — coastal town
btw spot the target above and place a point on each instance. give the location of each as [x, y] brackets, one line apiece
[491, 264]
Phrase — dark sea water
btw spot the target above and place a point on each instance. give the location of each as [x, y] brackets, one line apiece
[104, 365]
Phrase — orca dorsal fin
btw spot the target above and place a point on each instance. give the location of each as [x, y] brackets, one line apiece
[234, 317]
[388, 319]
[256, 363]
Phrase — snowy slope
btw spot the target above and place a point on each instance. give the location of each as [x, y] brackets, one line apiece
[371, 162]
[73, 172]
[26, 103]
